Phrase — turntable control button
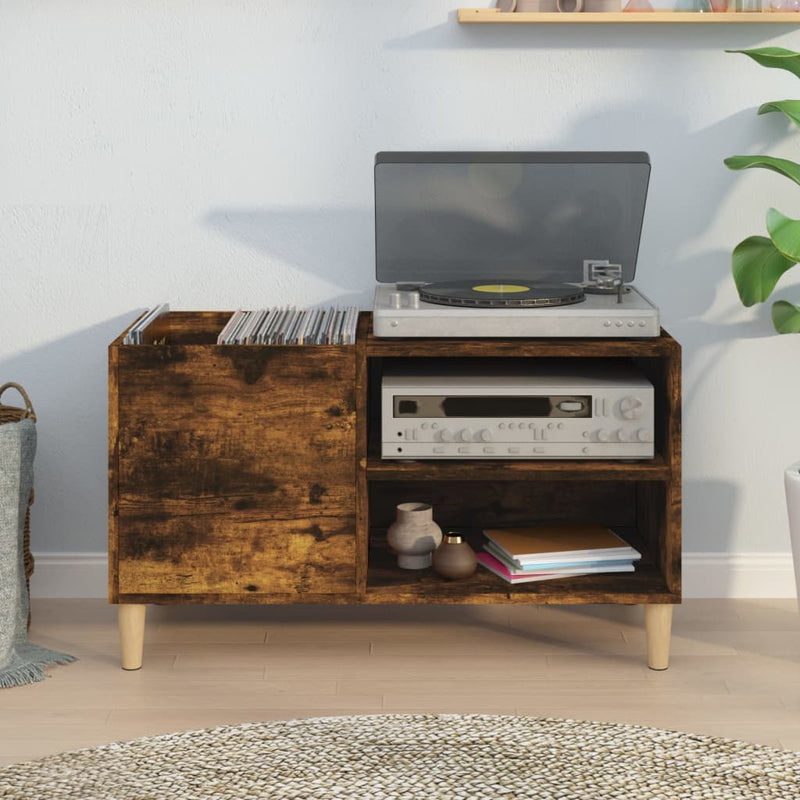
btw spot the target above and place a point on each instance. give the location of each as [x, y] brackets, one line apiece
[465, 434]
[394, 299]
[602, 435]
[446, 435]
[413, 299]
[485, 436]
[644, 435]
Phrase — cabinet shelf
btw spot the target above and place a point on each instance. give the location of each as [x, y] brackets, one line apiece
[494, 16]
[386, 583]
[653, 470]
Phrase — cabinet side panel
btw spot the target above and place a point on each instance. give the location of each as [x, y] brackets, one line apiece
[113, 478]
[237, 469]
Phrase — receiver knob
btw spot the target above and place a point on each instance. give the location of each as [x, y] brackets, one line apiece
[465, 434]
[602, 435]
[485, 435]
[644, 435]
[630, 407]
[624, 435]
[446, 435]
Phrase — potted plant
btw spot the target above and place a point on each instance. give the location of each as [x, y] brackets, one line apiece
[759, 261]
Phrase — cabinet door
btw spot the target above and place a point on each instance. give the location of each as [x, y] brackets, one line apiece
[236, 472]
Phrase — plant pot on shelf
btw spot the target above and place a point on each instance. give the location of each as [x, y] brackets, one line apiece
[414, 535]
[792, 483]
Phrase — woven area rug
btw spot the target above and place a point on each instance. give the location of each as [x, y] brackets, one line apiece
[447, 757]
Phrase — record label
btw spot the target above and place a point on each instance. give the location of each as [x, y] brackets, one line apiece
[501, 288]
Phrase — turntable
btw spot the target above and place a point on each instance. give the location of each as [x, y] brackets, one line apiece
[488, 244]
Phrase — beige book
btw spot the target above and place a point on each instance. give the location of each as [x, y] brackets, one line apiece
[556, 542]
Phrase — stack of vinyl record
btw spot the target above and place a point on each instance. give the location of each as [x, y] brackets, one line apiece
[291, 326]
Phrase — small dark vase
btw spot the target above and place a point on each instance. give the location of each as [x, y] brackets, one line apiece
[454, 558]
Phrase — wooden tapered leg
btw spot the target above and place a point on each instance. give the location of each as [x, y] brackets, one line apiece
[658, 626]
[131, 634]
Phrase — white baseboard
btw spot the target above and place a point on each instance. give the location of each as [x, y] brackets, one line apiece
[70, 575]
[704, 575]
[738, 575]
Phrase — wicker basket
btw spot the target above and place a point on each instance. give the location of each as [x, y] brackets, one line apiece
[14, 414]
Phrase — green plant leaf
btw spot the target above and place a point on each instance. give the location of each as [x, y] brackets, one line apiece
[774, 57]
[790, 108]
[780, 165]
[756, 266]
[785, 233]
[786, 317]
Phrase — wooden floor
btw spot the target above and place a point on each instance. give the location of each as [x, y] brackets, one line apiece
[735, 669]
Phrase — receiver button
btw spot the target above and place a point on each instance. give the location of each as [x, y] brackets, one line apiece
[446, 435]
[630, 407]
[570, 405]
[484, 436]
[644, 435]
[602, 435]
[465, 434]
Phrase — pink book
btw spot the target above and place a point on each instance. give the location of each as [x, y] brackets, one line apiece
[493, 565]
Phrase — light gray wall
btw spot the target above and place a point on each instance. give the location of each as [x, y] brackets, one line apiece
[218, 153]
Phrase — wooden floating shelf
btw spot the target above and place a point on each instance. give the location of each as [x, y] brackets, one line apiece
[493, 16]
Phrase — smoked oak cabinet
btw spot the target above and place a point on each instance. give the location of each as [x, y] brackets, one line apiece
[252, 474]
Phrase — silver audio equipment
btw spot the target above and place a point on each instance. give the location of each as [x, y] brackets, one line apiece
[516, 409]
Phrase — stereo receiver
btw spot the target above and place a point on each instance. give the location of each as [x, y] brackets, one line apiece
[516, 409]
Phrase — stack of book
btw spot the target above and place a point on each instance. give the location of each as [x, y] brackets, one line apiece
[545, 552]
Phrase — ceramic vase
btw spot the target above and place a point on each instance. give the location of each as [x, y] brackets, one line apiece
[792, 484]
[454, 558]
[414, 535]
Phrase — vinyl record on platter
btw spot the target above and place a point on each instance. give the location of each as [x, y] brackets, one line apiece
[500, 294]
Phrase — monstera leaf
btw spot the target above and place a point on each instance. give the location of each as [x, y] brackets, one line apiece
[785, 234]
[774, 57]
[786, 317]
[780, 165]
[757, 265]
[791, 108]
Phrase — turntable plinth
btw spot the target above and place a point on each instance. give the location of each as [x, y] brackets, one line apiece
[251, 474]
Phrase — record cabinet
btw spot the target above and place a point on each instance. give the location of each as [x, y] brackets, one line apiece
[252, 474]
